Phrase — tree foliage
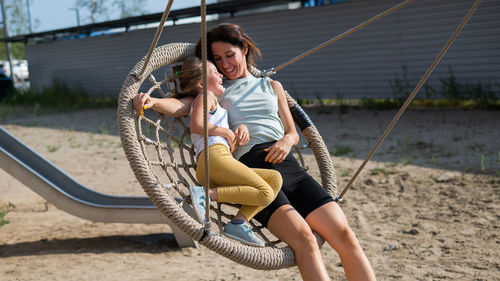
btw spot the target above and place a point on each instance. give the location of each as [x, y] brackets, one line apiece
[92, 11]
[97, 10]
[17, 23]
[130, 8]
[17, 17]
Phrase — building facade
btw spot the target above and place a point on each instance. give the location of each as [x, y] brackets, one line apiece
[371, 63]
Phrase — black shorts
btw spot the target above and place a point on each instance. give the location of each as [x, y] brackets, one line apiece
[299, 189]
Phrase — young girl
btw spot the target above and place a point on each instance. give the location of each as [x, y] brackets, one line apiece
[230, 180]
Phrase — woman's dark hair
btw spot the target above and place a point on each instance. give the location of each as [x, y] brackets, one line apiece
[234, 35]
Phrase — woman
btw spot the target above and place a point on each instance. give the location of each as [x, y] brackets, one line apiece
[302, 205]
[230, 180]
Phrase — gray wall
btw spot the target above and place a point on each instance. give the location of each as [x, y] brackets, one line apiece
[360, 65]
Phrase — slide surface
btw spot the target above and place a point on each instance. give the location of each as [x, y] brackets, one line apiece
[61, 190]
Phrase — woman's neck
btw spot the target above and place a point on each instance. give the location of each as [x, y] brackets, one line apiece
[244, 74]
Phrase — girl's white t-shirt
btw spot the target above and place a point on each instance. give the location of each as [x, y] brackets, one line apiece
[217, 117]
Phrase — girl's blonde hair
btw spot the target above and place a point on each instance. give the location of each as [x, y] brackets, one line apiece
[186, 79]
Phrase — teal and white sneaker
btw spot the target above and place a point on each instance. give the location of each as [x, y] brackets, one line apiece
[242, 232]
[198, 200]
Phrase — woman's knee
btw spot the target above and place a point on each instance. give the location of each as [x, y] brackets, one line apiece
[346, 237]
[287, 224]
[304, 240]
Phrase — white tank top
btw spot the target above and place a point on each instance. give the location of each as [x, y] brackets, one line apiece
[217, 117]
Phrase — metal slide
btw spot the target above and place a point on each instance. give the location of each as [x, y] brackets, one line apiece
[61, 190]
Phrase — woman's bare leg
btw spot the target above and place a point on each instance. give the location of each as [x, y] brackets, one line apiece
[330, 222]
[287, 224]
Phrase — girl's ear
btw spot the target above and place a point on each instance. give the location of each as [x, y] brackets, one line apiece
[199, 85]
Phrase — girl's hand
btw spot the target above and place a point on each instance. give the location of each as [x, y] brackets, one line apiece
[242, 135]
[231, 139]
[142, 101]
[279, 150]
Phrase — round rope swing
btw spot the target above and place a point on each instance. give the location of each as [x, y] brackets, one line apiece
[162, 157]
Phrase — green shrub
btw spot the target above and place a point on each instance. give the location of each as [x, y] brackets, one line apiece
[59, 96]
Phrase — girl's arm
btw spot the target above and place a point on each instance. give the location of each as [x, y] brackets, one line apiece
[169, 106]
[196, 122]
[279, 150]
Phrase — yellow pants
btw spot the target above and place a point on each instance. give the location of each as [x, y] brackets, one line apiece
[236, 183]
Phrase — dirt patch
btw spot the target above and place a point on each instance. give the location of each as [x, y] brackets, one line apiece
[425, 208]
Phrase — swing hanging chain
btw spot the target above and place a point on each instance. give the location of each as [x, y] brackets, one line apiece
[412, 95]
[272, 71]
[164, 17]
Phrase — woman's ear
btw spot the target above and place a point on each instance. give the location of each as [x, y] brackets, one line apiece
[244, 50]
[199, 85]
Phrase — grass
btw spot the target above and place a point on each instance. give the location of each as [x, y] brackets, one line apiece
[341, 150]
[382, 171]
[405, 143]
[391, 103]
[423, 181]
[53, 148]
[483, 167]
[347, 172]
[59, 97]
[434, 161]
[450, 93]
[406, 160]
[4, 210]
[103, 129]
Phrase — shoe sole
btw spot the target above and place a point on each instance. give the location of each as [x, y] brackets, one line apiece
[243, 240]
[199, 217]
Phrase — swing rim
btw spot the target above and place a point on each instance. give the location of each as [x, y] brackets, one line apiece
[267, 258]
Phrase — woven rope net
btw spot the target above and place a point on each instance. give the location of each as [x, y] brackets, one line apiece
[161, 156]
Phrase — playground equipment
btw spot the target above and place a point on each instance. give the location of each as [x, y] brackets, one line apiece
[151, 145]
[61, 190]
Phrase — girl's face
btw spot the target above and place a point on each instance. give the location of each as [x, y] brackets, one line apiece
[214, 80]
[230, 59]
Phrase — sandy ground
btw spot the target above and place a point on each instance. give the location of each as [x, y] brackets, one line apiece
[425, 208]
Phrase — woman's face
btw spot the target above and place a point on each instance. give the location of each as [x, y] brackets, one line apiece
[214, 80]
[230, 59]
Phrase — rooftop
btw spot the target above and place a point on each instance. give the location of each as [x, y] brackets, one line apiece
[226, 7]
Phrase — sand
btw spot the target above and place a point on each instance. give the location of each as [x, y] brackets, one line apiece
[426, 207]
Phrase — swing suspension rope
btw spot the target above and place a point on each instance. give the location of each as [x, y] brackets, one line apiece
[272, 71]
[412, 95]
[205, 115]
[156, 38]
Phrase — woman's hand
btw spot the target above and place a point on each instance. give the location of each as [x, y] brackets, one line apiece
[279, 150]
[142, 101]
[242, 135]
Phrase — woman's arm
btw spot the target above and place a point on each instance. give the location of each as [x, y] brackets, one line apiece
[279, 151]
[196, 122]
[169, 106]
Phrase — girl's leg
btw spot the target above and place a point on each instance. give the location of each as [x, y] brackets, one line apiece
[235, 182]
[330, 222]
[287, 224]
[273, 178]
